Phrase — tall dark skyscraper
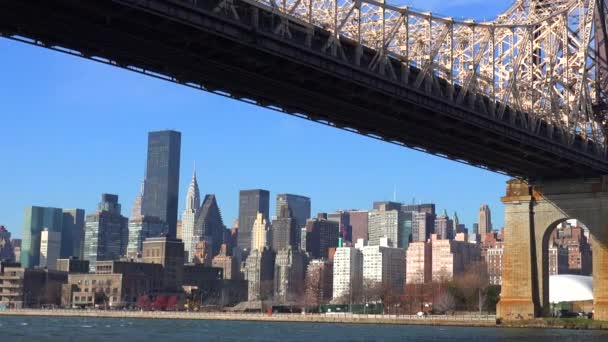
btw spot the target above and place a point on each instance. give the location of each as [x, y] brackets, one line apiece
[161, 186]
[250, 203]
[298, 206]
[72, 233]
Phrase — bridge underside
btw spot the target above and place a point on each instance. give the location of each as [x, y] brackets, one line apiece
[247, 60]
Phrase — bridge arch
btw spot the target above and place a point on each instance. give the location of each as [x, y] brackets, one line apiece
[532, 211]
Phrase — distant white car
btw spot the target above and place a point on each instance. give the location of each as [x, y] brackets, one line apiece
[421, 314]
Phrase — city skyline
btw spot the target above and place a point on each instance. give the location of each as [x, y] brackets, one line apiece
[238, 149]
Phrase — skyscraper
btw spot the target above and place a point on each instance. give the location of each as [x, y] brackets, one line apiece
[50, 246]
[36, 219]
[259, 233]
[343, 219]
[444, 227]
[289, 273]
[209, 225]
[387, 224]
[251, 202]
[321, 234]
[284, 231]
[422, 226]
[162, 177]
[142, 227]
[193, 201]
[72, 233]
[6, 248]
[359, 222]
[485, 220]
[299, 207]
[106, 232]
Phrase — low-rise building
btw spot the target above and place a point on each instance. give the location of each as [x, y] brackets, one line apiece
[30, 287]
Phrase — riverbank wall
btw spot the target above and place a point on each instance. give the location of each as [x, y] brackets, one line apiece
[468, 320]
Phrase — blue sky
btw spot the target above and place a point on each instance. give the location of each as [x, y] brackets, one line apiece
[71, 129]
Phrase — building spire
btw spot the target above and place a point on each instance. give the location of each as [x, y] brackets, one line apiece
[193, 198]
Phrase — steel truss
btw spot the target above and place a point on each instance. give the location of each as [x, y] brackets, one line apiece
[546, 59]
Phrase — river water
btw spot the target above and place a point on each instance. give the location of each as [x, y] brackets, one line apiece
[54, 329]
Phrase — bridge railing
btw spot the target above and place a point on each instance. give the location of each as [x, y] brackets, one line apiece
[546, 60]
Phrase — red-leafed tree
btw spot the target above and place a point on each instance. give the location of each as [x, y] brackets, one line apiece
[160, 303]
[143, 302]
[172, 303]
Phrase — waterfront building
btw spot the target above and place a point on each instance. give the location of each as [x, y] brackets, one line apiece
[73, 265]
[387, 224]
[50, 248]
[259, 233]
[384, 265]
[209, 225]
[161, 191]
[72, 233]
[30, 287]
[289, 273]
[450, 258]
[319, 282]
[106, 232]
[169, 253]
[115, 284]
[359, 222]
[418, 260]
[6, 248]
[348, 274]
[36, 219]
[297, 206]
[227, 263]
[259, 272]
[251, 202]
[321, 234]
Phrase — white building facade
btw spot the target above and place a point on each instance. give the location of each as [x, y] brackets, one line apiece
[50, 246]
[193, 202]
[384, 265]
[348, 272]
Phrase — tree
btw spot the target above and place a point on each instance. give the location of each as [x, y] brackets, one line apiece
[143, 302]
[160, 303]
[445, 303]
[101, 298]
[172, 302]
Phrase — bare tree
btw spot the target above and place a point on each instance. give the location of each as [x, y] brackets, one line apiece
[445, 303]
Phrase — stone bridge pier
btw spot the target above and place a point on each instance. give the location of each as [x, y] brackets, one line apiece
[532, 211]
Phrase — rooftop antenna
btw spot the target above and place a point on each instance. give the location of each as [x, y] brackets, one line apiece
[395, 193]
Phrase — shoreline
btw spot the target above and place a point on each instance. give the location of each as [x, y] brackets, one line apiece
[450, 321]
[464, 321]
